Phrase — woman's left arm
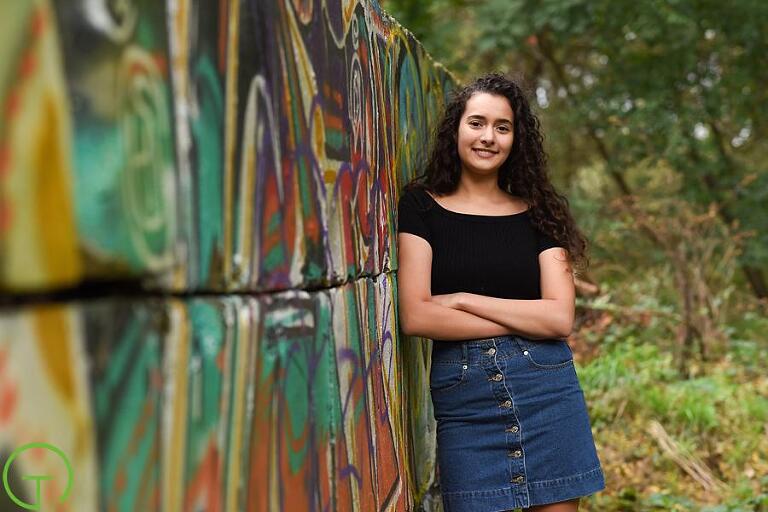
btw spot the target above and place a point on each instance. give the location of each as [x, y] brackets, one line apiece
[548, 317]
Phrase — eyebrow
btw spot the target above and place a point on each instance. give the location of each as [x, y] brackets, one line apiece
[478, 116]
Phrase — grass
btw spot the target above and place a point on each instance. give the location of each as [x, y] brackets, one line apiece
[719, 417]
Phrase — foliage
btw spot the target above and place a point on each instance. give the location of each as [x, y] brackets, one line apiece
[721, 418]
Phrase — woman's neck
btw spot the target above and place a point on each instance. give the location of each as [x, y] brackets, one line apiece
[485, 188]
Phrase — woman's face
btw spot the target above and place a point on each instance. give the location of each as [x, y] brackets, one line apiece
[485, 133]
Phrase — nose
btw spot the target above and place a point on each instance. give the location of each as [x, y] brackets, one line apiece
[487, 136]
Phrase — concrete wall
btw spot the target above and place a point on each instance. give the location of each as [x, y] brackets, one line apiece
[197, 254]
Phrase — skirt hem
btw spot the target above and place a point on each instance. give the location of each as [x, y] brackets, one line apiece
[526, 495]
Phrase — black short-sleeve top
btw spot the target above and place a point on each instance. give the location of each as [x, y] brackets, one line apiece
[497, 256]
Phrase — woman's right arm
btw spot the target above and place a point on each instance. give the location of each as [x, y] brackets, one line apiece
[419, 316]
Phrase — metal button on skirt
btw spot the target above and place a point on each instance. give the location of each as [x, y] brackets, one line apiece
[512, 425]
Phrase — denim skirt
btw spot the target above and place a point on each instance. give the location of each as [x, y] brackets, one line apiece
[512, 425]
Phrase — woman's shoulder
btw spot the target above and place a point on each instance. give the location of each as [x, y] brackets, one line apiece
[416, 196]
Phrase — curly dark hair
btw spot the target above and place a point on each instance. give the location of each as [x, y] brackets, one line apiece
[523, 173]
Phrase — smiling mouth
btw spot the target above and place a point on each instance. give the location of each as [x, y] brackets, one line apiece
[484, 151]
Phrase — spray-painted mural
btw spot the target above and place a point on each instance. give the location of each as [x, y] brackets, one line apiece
[197, 254]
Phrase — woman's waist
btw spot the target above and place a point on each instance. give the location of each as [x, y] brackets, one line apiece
[499, 347]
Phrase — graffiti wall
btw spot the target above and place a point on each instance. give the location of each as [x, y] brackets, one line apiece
[197, 256]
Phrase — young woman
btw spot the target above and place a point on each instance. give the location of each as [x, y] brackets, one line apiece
[486, 248]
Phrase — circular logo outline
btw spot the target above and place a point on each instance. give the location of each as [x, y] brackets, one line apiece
[18, 451]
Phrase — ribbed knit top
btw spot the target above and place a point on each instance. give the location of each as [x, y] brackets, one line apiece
[493, 255]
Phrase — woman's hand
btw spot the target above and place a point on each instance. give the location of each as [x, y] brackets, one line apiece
[449, 300]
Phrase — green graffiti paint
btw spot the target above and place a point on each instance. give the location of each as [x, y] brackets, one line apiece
[208, 130]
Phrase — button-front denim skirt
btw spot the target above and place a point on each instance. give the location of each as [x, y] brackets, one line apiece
[512, 425]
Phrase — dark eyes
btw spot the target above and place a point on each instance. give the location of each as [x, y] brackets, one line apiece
[476, 124]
